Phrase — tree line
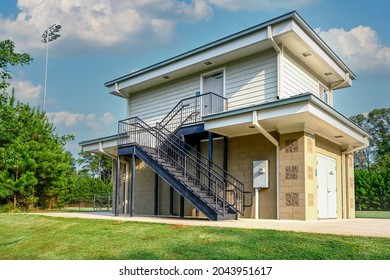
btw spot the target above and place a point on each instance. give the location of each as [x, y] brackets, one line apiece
[35, 169]
[372, 164]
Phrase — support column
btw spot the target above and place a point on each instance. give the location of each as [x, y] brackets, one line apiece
[225, 153]
[132, 184]
[171, 201]
[210, 156]
[117, 185]
[181, 206]
[210, 146]
[155, 194]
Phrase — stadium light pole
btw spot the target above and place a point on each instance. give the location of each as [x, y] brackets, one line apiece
[50, 34]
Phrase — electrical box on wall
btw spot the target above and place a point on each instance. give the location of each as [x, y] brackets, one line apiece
[260, 174]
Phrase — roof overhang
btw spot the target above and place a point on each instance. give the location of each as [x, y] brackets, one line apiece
[301, 113]
[289, 30]
[106, 145]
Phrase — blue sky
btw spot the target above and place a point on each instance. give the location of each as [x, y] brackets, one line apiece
[104, 39]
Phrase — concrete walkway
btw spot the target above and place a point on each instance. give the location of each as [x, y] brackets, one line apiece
[361, 227]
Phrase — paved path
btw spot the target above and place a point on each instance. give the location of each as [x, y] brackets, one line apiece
[361, 227]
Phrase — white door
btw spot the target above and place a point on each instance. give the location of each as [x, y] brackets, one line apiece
[213, 83]
[326, 183]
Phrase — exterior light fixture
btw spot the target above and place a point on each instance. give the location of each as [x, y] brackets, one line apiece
[307, 53]
[166, 77]
[50, 34]
[207, 62]
[328, 73]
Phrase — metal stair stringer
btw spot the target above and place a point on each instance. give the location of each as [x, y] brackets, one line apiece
[178, 183]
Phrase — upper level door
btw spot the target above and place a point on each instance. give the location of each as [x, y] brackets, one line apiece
[213, 83]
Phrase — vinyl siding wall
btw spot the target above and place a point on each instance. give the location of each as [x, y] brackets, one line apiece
[154, 104]
[295, 80]
[249, 81]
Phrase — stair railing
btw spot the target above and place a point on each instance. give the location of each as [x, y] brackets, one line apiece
[191, 109]
[173, 156]
[226, 189]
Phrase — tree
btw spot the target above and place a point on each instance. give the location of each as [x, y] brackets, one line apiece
[377, 123]
[372, 176]
[34, 167]
[97, 165]
[8, 57]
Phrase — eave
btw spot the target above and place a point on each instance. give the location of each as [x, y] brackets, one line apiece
[289, 30]
[301, 113]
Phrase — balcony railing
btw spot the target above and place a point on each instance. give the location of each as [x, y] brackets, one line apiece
[191, 110]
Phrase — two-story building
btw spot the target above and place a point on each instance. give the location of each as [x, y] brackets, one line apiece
[240, 127]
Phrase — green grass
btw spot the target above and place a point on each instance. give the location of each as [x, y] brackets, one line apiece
[373, 214]
[27, 237]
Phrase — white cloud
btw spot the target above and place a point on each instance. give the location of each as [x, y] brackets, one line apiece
[92, 24]
[360, 47]
[256, 5]
[79, 121]
[27, 92]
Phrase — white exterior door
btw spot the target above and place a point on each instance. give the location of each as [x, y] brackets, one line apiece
[326, 183]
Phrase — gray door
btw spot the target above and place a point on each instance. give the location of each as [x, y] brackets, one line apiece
[211, 103]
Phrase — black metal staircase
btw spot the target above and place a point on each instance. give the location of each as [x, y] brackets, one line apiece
[208, 187]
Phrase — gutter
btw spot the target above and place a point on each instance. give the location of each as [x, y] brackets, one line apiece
[344, 186]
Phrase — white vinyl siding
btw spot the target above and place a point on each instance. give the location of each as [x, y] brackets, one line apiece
[154, 104]
[295, 80]
[251, 81]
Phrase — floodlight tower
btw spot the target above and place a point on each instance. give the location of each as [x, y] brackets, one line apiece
[50, 34]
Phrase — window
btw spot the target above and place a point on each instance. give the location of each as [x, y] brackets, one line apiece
[324, 94]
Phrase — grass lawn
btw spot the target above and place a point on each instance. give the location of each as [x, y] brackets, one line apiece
[24, 236]
[373, 214]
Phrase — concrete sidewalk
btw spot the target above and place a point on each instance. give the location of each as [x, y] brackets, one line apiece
[361, 227]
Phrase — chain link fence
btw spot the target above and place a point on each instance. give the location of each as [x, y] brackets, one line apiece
[96, 202]
[368, 203]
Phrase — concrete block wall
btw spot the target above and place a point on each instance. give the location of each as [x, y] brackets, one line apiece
[311, 203]
[292, 176]
[242, 151]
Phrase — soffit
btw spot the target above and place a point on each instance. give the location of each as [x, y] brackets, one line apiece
[300, 116]
[287, 33]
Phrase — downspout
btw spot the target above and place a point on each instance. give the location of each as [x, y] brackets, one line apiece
[117, 91]
[262, 130]
[101, 150]
[278, 60]
[350, 150]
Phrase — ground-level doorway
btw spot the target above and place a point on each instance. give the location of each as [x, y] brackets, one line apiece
[326, 182]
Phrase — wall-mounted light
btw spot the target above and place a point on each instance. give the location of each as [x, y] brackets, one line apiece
[166, 77]
[207, 62]
[329, 73]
